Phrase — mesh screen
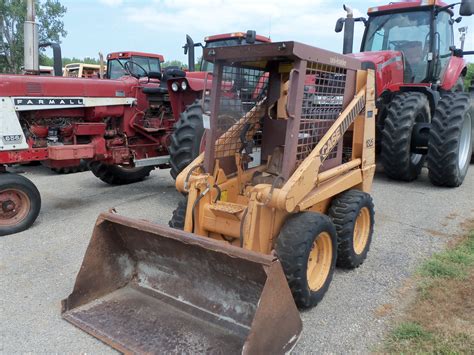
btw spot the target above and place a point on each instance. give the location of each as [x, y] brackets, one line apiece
[322, 103]
[242, 96]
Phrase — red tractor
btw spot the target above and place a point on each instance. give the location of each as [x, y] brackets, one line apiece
[423, 113]
[189, 95]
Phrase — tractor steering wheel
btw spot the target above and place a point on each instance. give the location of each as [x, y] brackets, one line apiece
[397, 44]
[130, 71]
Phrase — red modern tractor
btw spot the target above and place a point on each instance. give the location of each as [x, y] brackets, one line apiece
[189, 96]
[423, 113]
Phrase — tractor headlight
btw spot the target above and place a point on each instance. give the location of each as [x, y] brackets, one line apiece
[184, 85]
[175, 86]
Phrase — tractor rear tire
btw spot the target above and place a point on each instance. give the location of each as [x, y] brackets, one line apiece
[352, 212]
[119, 175]
[405, 109]
[307, 249]
[20, 203]
[185, 142]
[179, 215]
[72, 169]
[450, 145]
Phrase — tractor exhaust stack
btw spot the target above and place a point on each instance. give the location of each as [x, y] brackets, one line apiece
[31, 51]
[144, 288]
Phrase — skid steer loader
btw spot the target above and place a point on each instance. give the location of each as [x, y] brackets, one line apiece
[277, 199]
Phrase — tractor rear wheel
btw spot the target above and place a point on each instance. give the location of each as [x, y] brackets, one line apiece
[185, 142]
[398, 160]
[72, 169]
[352, 212]
[307, 249]
[450, 144]
[119, 175]
[179, 215]
[20, 203]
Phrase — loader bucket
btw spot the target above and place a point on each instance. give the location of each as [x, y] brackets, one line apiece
[146, 288]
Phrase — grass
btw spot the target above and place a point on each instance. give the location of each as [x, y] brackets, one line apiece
[441, 318]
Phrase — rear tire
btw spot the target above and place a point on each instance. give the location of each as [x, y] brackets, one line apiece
[352, 213]
[72, 169]
[185, 142]
[307, 249]
[118, 175]
[450, 145]
[404, 111]
[179, 215]
[20, 203]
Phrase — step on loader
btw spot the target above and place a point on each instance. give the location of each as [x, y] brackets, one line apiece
[279, 197]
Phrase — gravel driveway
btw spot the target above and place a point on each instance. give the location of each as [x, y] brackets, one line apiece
[38, 267]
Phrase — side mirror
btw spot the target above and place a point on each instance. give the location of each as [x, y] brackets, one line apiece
[154, 75]
[467, 8]
[250, 37]
[339, 25]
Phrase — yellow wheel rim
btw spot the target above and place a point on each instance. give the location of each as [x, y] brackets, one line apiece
[319, 261]
[361, 230]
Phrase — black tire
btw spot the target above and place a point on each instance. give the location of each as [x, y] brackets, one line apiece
[118, 175]
[450, 145]
[72, 169]
[404, 111]
[185, 142]
[293, 248]
[179, 215]
[13, 221]
[345, 210]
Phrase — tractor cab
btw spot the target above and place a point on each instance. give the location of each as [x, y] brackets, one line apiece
[135, 63]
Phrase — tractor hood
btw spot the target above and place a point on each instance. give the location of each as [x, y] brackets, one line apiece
[41, 86]
[388, 66]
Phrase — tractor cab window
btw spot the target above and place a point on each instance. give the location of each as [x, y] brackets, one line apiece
[444, 39]
[407, 32]
[149, 64]
[116, 67]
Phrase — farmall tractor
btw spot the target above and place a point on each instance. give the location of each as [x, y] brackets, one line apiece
[122, 126]
[424, 115]
[190, 97]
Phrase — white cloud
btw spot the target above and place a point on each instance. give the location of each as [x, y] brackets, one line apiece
[111, 2]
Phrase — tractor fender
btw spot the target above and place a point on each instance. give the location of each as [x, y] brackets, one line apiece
[456, 66]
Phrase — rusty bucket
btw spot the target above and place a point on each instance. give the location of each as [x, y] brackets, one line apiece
[146, 288]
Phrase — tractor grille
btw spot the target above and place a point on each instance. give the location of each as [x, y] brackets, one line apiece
[322, 103]
[241, 107]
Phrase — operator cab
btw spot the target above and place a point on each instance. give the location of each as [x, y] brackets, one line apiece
[417, 32]
[137, 64]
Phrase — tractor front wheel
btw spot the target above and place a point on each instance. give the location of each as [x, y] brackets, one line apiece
[398, 159]
[450, 144]
[179, 215]
[117, 174]
[20, 203]
[307, 249]
[185, 142]
[352, 212]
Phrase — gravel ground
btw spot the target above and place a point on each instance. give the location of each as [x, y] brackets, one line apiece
[38, 267]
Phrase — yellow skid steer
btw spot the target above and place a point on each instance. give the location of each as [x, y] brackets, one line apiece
[278, 198]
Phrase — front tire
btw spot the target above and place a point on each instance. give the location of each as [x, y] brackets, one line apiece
[119, 175]
[179, 215]
[307, 249]
[352, 212]
[398, 160]
[20, 203]
[450, 144]
[185, 142]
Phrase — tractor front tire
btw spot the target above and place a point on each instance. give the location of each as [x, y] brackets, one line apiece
[119, 175]
[405, 109]
[179, 215]
[20, 203]
[450, 144]
[185, 142]
[352, 212]
[307, 250]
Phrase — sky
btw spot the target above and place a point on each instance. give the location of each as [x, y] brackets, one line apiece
[160, 26]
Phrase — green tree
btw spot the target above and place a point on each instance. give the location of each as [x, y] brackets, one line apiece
[49, 14]
[469, 79]
[173, 63]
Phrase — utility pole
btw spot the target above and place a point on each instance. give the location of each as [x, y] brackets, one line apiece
[31, 45]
